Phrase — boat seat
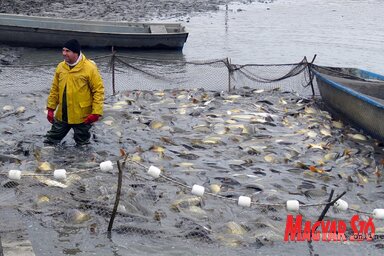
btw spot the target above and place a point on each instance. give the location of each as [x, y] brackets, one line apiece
[157, 29]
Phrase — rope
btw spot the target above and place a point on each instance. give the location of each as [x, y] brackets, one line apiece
[207, 62]
[223, 197]
[180, 184]
[296, 70]
[360, 211]
[327, 204]
[138, 69]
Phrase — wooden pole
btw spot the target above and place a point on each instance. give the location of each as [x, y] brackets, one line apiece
[113, 70]
[117, 199]
[229, 74]
[311, 75]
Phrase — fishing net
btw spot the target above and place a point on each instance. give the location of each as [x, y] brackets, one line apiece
[239, 131]
[128, 72]
[155, 212]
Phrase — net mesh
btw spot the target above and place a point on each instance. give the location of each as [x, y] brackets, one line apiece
[211, 123]
[161, 210]
[125, 72]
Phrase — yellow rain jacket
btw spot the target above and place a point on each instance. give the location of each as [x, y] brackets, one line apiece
[85, 91]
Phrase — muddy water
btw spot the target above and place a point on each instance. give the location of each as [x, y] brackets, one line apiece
[260, 144]
[282, 32]
[343, 33]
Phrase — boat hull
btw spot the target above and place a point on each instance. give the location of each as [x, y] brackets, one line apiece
[39, 32]
[344, 98]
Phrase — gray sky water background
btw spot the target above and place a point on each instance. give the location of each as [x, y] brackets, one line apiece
[346, 33]
[341, 33]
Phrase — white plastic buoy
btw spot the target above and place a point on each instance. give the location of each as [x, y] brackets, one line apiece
[198, 190]
[106, 166]
[341, 205]
[8, 108]
[293, 205]
[14, 174]
[244, 201]
[60, 174]
[154, 171]
[378, 214]
[121, 208]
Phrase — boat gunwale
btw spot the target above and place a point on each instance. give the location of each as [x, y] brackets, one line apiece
[95, 32]
[82, 21]
[371, 74]
[26, 22]
[350, 91]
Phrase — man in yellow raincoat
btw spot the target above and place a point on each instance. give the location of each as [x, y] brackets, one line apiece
[76, 95]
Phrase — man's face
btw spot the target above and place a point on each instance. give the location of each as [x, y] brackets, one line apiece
[69, 56]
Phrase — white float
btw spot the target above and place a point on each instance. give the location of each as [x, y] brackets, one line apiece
[244, 201]
[60, 174]
[198, 190]
[106, 166]
[154, 171]
[14, 174]
[293, 205]
[378, 214]
[341, 205]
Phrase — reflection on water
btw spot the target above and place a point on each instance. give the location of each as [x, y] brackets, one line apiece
[41, 56]
[284, 31]
[226, 18]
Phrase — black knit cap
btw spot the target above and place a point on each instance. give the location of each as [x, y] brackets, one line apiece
[73, 45]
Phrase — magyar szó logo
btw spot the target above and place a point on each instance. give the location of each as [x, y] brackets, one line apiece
[329, 230]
